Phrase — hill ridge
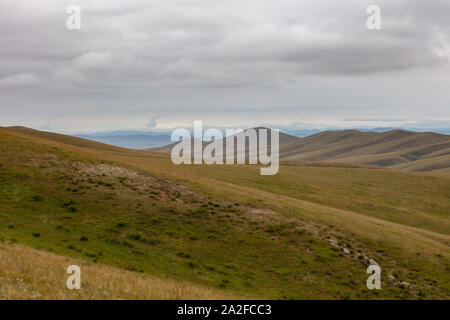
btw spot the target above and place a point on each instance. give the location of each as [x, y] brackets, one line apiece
[384, 149]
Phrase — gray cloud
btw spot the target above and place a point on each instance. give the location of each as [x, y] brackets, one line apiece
[19, 81]
[224, 61]
[153, 122]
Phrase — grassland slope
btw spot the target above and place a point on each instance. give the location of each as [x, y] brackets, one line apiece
[307, 232]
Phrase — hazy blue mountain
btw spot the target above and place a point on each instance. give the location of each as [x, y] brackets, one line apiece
[134, 140]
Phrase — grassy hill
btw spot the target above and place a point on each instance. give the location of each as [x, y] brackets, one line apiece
[398, 149]
[284, 140]
[307, 232]
[386, 149]
[168, 148]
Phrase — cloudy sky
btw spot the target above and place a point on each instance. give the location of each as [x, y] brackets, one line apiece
[150, 65]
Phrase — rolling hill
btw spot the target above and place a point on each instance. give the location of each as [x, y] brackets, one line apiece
[384, 149]
[168, 148]
[307, 232]
[285, 139]
[399, 149]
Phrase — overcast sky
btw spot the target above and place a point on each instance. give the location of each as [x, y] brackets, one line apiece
[149, 65]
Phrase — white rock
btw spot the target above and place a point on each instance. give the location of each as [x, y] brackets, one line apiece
[334, 243]
[346, 251]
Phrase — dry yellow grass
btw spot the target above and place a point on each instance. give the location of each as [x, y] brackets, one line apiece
[27, 273]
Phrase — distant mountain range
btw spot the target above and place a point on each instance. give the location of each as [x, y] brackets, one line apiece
[132, 140]
[143, 140]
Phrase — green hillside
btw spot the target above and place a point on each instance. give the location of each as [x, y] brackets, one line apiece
[307, 232]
